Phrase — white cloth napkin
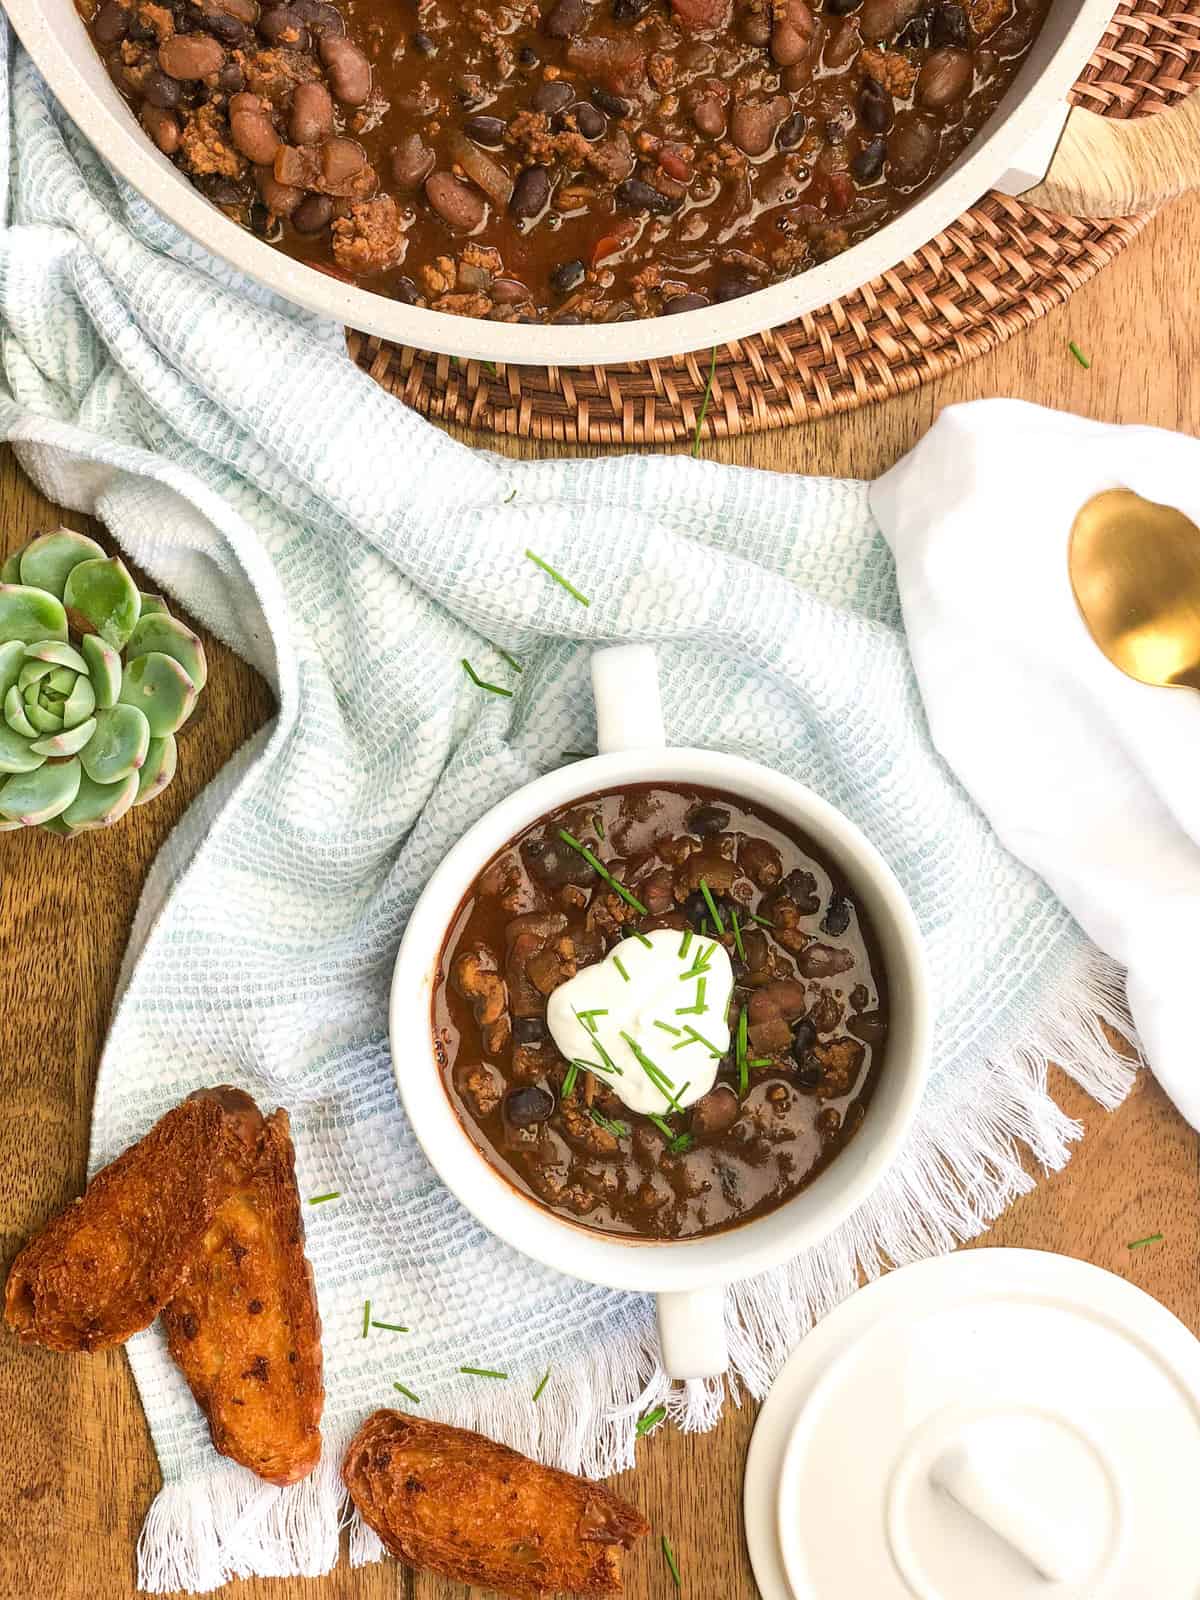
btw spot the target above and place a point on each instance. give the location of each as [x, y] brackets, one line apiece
[1091, 779]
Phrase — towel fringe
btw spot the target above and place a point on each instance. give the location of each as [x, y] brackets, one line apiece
[961, 1169]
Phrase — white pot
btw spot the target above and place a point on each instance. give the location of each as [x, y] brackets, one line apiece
[1011, 152]
[688, 1276]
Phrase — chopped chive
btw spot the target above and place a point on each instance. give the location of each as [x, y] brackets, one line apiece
[598, 866]
[509, 498]
[712, 906]
[650, 1420]
[318, 1199]
[687, 939]
[584, 1065]
[558, 578]
[737, 936]
[637, 934]
[654, 1072]
[586, 1016]
[366, 1317]
[619, 1130]
[763, 922]
[661, 1124]
[698, 1008]
[666, 1547]
[537, 1393]
[390, 1327]
[700, 963]
[759, 1061]
[1151, 1238]
[681, 1143]
[743, 1065]
[416, 1399]
[598, 824]
[490, 365]
[568, 1087]
[609, 1064]
[698, 1038]
[511, 660]
[482, 1372]
[492, 688]
[1078, 354]
[620, 968]
[712, 374]
[666, 1027]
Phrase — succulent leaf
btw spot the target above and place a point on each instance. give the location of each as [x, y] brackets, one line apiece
[158, 770]
[16, 753]
[57, 654]
[118, 746]
[12, 659]
[33, 672]
[102, 594]
[67, 743]
[31, 797]
[55, 825]
[152, 603]
[80, 703]
[44, 721]
[61, 681]
[169, 637]
[30, 615]
[161, 689]
[98, 804]
[10, 572]
[46, 561]
[104, 669]
[14, 714]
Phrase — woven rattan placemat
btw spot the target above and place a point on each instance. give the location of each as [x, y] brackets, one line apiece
[997, 268]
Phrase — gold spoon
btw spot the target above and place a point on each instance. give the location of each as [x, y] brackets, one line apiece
[1135, 570]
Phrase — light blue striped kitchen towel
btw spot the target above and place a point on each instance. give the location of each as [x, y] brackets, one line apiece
[355, 554]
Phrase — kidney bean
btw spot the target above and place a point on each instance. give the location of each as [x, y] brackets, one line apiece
[531, 193]
[842, 43]
[349, 70]
[792, 33]
[912, 146]
[189, 56]
[755, 25]
[313, 214]
[715, 1113]
[252, 130]
[487, 131]
[791, 131]
[280, 25]
[163, 128]
[881, 18]
[111, 22]
[460, 205]
[161, 91]
[753, 122]
[875, 107]
[866, 167]
[709, 116]
[281, 199]
[566, 18]
[412, 161]
[310, 118]
[944, 78]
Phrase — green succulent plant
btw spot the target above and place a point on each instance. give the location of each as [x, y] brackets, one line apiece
[95, 681]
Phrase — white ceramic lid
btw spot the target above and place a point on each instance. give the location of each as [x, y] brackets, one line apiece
[992, 1425]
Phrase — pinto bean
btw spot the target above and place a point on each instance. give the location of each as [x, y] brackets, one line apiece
[715, 1113]
[111, 22]
[190, 56]
[349, 70]
[458, 204]
[709, 116]
[310, 118]
[162, 126]
[824, 961]
[281, 199]
[313, 214]
[566, 18]
[412, 161]
[758, 858]
[753, 123]
[792, 33]
[945, 77]
[252, 130]
[912, 146]
[341, 161]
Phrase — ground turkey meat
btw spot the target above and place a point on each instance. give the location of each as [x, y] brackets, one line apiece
[205, 146]
[894, 71]
[274, 74]
[371, 238]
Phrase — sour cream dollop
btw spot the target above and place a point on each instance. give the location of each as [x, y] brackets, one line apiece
[650, 1019]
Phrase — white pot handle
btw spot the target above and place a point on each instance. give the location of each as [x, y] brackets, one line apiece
[691, 1333]
[691, 1326]
[625, 688]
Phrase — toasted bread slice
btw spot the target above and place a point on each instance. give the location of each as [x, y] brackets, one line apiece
[244, 1327]
[459, 1504]
[101, 1270]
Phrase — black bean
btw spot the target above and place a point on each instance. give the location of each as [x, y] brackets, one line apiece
[914, 35]
[424, 44]
[612, 103]
[634, 195]
[553, 96]
[837, 918]
[866, 167]
[838, 125]
[279, 25]
[792, 131]
[567, 319]
[628, 10]
[695, 909]
[950, 26]
[220, 190]
[841, 8]
[231, 79]
[111, 23]
[313, 214]
[406, 290]
[703, 820]
[320, 16]
[527, 1106]
[590, 120]
[487, 131]
[529, 1030]
[527, 57]
[161, 91]
[684, 302]
[565, 18]
[229, 30]
[567, 276]
[531, 193]
[874, 107]
[265, 224]
[733, 286]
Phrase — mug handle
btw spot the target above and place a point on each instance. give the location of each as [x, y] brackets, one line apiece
[691, 1324]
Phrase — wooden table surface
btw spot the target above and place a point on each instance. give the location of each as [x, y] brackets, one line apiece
[79, 1471]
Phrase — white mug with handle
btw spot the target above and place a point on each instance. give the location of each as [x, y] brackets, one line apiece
[689, 1276]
